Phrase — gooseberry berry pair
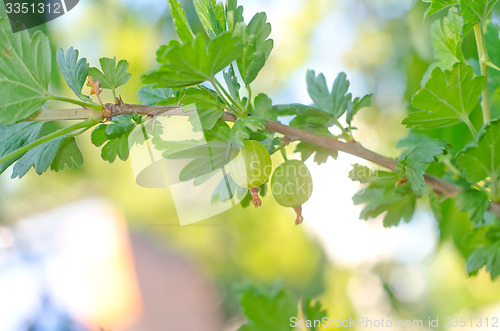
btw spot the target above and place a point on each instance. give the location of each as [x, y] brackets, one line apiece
[291, 183]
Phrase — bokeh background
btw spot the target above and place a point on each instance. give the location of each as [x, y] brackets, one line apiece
[90, 247]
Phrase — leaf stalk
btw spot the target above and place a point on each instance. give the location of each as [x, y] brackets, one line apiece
[76, 102]
[228, 100]
[483, 64]
[471, 127]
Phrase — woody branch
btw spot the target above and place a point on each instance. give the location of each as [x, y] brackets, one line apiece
[440, 186]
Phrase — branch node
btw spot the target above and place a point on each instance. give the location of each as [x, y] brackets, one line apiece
[285, 141]
[107, 114]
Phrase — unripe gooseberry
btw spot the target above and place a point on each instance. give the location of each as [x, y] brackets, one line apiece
[291, 185]
[251, 168]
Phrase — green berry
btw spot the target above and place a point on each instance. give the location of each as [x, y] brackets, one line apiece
[291, 185]
[252, 166]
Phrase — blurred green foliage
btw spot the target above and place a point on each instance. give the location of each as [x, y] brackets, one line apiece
[263, 245]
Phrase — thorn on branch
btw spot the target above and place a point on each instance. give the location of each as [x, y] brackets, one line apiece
[119, 101]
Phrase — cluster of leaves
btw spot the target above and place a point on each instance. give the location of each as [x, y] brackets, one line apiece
[190, 70]
[273, 309]
[328, 108]
[226, 45]
[189, 75]
[212, 71]
[25, 71]
[383, 194]
[57, 153]
[452, 98]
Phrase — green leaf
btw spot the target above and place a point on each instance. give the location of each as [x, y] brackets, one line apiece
[232, 83]
[68, 155]
[436, 205]
[474, 12]
[112, 75]
[209, 108]
[115, 137]
[14, 137]
[488, 256]
[414, 161]
[296, 109]
[212, 16]
[257, 47]
[25, 68]
[57, 153]
[73, 70]
[438, 5]
[193, 63]
[492, 42]
[316, 122]
[446, 99]
[360, 173]
[333, 103]
[39, 157]
[174, 99]
[204, 178]
[206, 155]
[266, 310]
[447, 40]
[483, 160]
[313, 312]
[152, 96]
[321, 154]
[382, 194]
[357, 104]
[452, 222]
[243, 127]
[120, 125]
[234, 14]
[181, 23]
[226, 189]
[263, 107]
[313, 120]
[475, 203]
[116, 147]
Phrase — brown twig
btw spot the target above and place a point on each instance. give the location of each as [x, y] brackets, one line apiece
[441, 187]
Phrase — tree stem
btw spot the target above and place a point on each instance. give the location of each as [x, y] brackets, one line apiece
[442, 187]
[483, 64]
